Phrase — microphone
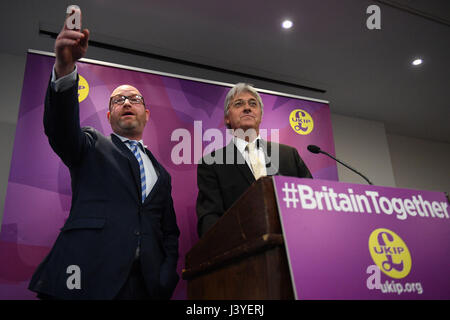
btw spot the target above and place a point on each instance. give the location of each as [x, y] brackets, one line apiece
[315, 149]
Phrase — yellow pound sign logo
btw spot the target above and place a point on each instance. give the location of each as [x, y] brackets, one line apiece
[301, 121]
[390, 253]
[83, 89]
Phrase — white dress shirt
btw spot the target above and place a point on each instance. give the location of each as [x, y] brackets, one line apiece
[65, 82]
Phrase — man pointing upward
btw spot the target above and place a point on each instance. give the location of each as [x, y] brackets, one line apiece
[121, 232]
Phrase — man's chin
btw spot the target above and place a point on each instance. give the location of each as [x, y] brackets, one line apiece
[245, 131]
[127, 124]
[250, 125]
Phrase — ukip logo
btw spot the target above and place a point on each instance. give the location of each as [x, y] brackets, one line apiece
[83, 89]
[301, 121]
[390, 253]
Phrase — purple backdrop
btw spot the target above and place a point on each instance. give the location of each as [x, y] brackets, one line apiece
[329, 250]
[39, 195]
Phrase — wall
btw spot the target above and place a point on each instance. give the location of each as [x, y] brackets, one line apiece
[362, 144]
[420, 164]
[13, 66]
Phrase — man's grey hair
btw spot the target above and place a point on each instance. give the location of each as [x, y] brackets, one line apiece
[239, 88]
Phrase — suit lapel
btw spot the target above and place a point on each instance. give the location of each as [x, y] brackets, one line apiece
[232, 152]
[132, 162]
[157, 168]
[272, 161]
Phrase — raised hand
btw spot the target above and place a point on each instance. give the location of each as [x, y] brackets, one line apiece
[70, 45]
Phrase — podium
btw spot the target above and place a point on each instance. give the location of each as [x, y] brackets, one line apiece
[243, 255]
[295, 238]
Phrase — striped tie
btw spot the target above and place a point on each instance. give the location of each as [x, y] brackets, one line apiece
[134, 149]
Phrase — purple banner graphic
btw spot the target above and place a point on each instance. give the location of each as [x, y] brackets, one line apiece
[352, 241]
[181, 111]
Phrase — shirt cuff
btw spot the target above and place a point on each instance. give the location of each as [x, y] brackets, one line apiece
[65, 82]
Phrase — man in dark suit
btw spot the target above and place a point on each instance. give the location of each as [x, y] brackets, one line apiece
[120, 240]
[224, 175]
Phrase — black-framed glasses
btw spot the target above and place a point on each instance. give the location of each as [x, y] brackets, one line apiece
[119, 99]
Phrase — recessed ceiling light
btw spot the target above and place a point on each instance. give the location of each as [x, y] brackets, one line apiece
[417, 62]
[287, 24]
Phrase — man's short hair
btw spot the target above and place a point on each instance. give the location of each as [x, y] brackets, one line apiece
[237, 89]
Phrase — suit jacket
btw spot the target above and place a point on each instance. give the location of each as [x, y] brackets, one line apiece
[223, 176]
[107, 219]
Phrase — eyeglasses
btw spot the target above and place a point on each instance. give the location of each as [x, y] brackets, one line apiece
[120, 99]
[240, 102]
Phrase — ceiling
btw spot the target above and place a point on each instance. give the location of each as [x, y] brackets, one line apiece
[363, 73]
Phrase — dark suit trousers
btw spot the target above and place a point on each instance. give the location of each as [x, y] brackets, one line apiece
[134, 288]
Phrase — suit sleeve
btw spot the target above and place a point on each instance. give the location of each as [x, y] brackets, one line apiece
[209, 200]
[168, 276]
[302, 169]
[62, 125]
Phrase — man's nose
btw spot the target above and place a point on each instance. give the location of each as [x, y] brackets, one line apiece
[247, 107]
[127, 102]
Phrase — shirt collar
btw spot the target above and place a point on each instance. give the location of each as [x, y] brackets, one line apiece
[242, 144]
[123, 139]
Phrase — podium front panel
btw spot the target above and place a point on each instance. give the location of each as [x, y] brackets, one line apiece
[352, 241]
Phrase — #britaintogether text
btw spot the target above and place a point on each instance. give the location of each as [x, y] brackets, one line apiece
[371, 201]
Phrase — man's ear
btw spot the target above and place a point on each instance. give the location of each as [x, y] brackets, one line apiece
[227, 122]
[147, 112]
[108, 115]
